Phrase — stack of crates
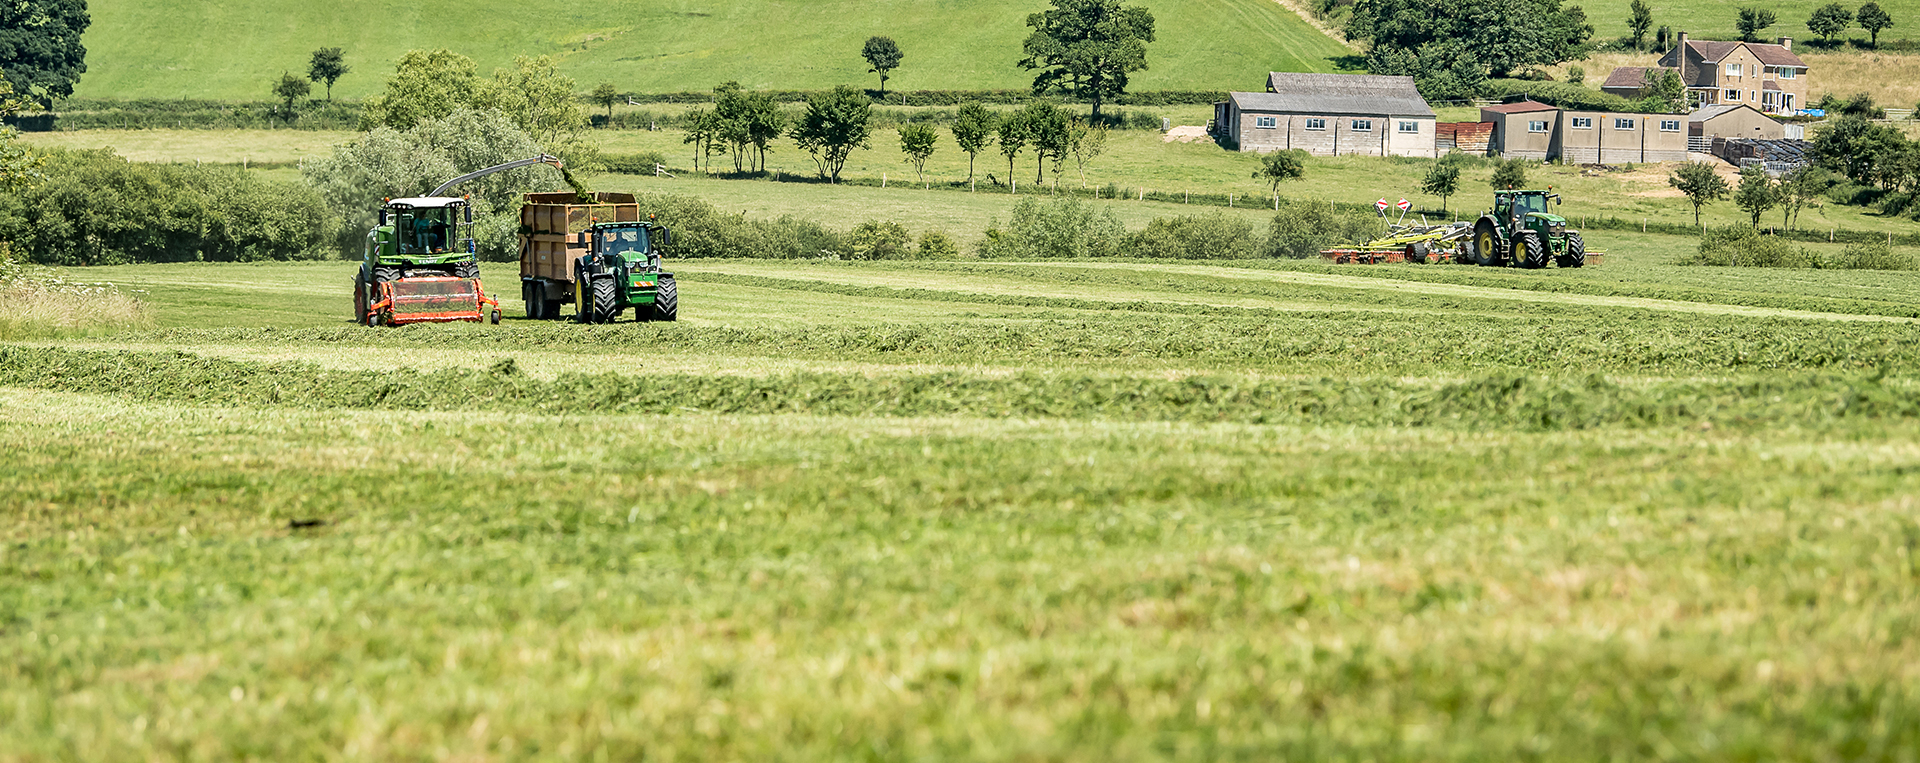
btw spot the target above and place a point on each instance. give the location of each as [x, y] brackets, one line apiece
[550, 224]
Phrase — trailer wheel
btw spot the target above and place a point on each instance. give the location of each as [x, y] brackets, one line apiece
[1576, 255]
[1417, 253]
[606, 300]
[666, 301]
[1529, 251]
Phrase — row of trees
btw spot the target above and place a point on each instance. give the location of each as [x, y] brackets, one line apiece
[744, 124]
[1827, 21]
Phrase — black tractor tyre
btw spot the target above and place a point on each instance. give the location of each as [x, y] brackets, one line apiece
[360, 297]
[1576, 256]
[1417, 252]
[582, 301]
[606, 300]
[666, 301]
[1529, 251]
[466, 270]
[530, 294]
[1486, 245]
[386, 275]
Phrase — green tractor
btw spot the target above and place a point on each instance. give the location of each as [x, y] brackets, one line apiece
[1519, 231]
[621, 270]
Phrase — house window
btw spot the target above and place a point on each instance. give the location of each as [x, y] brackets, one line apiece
[1622, 124]
[1751, 96]
[1410, 127]
[1316, 124]
[1266, 122]
[1731, 95]
[1786, 72]
[1583, 123]
[1362, 125]
[1669, 125]
[1537, 126]
[1733, 70]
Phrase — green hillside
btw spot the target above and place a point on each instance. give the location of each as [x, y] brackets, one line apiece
[1714, 19]
[148, 48]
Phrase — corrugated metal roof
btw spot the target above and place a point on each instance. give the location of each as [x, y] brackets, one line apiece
[1367, 94]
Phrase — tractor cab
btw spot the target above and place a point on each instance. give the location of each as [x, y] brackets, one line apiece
[422, 231]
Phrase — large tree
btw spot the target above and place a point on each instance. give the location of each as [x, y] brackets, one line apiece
[1448, 46]
[1639, 20]
[972, 126]
[1086, 48]
[40, 50]
[1752, 20]
[1829, 20]
[1697, 181]
[426, 84]
[1873, 19]
[834, 124]
[884, 56]
[328, 65]
[537, 97]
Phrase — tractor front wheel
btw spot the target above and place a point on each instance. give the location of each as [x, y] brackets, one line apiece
[466, 270]
[1576, 256]
[1528, 251]
[666, 301]
[606, 300]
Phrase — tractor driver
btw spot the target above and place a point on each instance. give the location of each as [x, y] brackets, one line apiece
[431, 233]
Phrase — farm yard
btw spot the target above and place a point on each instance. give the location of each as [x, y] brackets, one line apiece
[1116, 510]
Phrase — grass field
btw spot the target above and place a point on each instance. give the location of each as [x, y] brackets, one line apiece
[976, 511]
[1135, 160]
[235, 50]
[1714, 19]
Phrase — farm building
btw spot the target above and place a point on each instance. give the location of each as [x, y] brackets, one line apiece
[1330, 115]
[1522, 130]
[1728, 120]
[1529, 130]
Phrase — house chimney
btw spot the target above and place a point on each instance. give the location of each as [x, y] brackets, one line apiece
[1787, 42]
[1682, 58]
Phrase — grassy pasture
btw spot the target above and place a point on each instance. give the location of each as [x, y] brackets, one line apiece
[1714, 19]
[975, 510]
[234, 50]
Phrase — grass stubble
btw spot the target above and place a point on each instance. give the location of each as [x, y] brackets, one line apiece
[1389, 550]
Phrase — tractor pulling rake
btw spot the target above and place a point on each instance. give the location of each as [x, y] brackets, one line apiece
[1517, 232]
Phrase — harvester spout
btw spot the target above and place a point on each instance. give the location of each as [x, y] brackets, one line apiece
[513, 165]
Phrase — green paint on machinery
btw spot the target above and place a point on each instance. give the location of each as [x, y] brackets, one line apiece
[1519, 231]
[596, 251]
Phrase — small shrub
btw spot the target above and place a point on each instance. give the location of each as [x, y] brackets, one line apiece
[1212, 235]
[1061, 227]
[642, 163]
[879, 240]
[1744, 246]
[1303, 227]
[1874, 256]
[935, 245]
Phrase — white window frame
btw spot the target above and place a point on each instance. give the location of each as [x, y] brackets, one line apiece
[1730, 95]
[1787, 72]
[1583, 123]
[1753, 95]
[1317, 123]
[1542, 125]
[1665, 122]
[1733, 70]
[1410, 127]
[1361, 125]
[1624, 123]
[1265, 123]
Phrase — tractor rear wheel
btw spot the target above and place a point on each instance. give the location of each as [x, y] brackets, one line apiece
[666, 301]
[1486, 245]
[1576, 256]
[1528, 251]
[606, 300]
